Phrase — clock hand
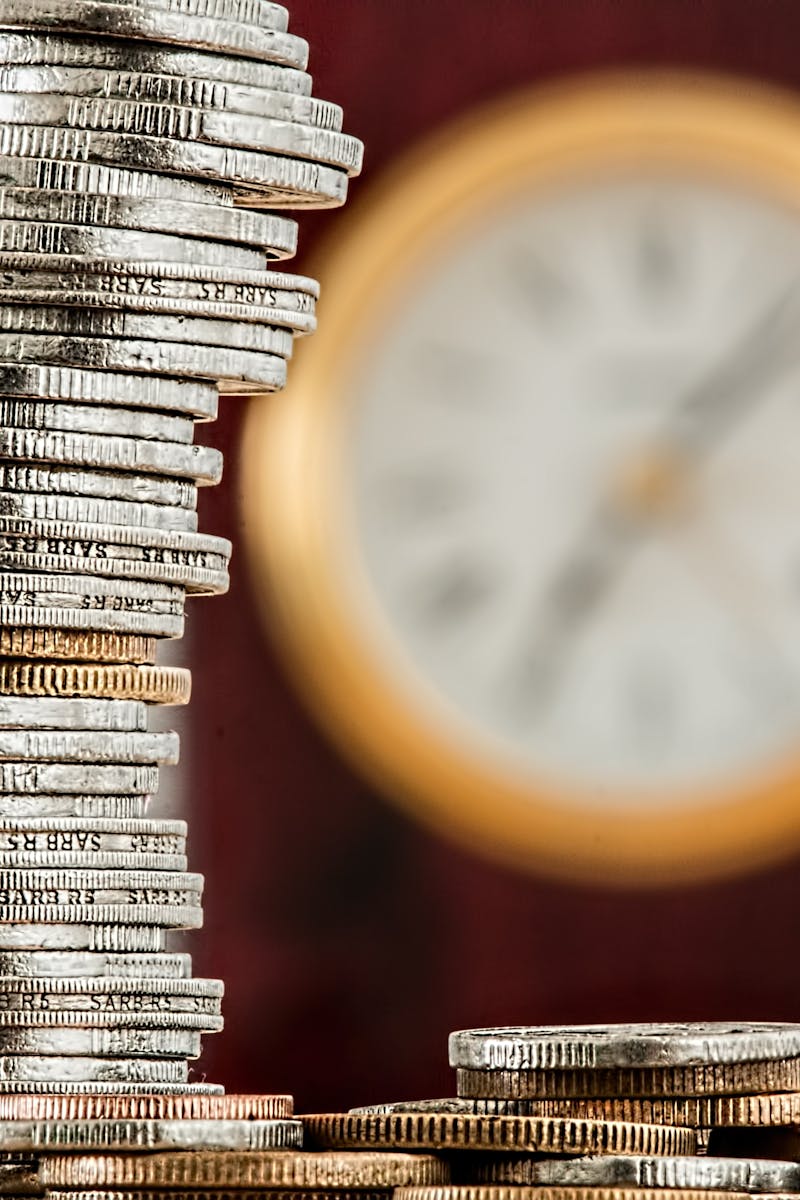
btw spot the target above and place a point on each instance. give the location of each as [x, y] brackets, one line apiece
[613, 531]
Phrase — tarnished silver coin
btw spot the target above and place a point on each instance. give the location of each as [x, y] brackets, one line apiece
[82, 935]
[37, 1068]
[87, 746]
[149, 1135]
[56, 321]
[230, 368]
[87, 510]
[95, 419]
[183, 91]
[275, 236]
[103, 1042]
[55, 712]
[103, 242]
[629, 1171]
[260, 180]
[100, 620]
[143, 59]
[87, 386]
[158, 21]
[160, 120]
[18, 806]
[70, 481]
[97, 1087]
[201, 464]
[72, 778]
[112, 994]
[45, 965]
[584, 1047]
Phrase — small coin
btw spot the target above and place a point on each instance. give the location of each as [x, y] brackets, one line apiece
[97, 420]
[277, 236]
[428, 1131]
[161, 120]
[92, 746]
[17, 806]
[150, 624]
[116, 938]
[141, 58]
[260, 180]
[20, 1136]
[588, 1047]
[43, 382]
[155, 685]
[86, 965]
[55, 1069]
[113, 1042]
[229, 367]
[85, 592]
[711, 1080]
[107, 561]
[86, 510]
[19, 712]
[69, 481]
[186, 91]
[80, 647]
[719, 1174]
[281, 1170]
[170, 1107]
[153, 21]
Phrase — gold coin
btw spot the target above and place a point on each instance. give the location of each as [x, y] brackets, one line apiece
[713, 1079]
[274, 1194]
[76, 645]
[281, 1169]
[157, 685]
[543, 1135]
[754, 1110]
[145, 1108]
[509, 1192]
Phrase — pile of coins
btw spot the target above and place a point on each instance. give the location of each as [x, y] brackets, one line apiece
[599, 1113]
[144, 146]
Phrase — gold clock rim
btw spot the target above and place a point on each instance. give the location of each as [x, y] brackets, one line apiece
[724, 125]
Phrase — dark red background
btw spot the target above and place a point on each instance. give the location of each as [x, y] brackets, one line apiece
[351, 940]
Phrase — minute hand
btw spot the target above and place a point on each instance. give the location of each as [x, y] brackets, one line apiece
[710, 408]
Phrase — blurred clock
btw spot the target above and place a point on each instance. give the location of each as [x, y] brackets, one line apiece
[528, 517]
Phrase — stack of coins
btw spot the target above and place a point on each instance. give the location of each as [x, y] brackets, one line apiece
[143, 147]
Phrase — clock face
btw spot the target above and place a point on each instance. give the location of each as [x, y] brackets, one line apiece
[528, 513]
[573, 461]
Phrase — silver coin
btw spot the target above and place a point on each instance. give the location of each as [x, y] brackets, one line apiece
[200, 463]
[90, 746]
[259, 179]
[148, 21]
[176, 916]
[86, 965]
[276, 236]
[44, 382]
[177, 994]
[67, 481]
[260, 372]
[37, 1068]
[105, 1088]
[78, 860]
[697, 1173]
[108, 1042]
[55, 712]
[183, 91]
[250, 296]
[100, 241]
[149, 1135]
[93, 179]
[115, 939]
[16, 318]
[160, 120]
[258, 12]
[87, 592]
[18, 806]
[108, 887]
[216, 549]
[86, 510]
[522, 1048]
[144, 624]
[200, 580]
[95, 419]
[83, 1014]
[138, 57]
[71, 778]
[93, 834]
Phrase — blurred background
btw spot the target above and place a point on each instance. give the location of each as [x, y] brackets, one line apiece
[352, 933]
